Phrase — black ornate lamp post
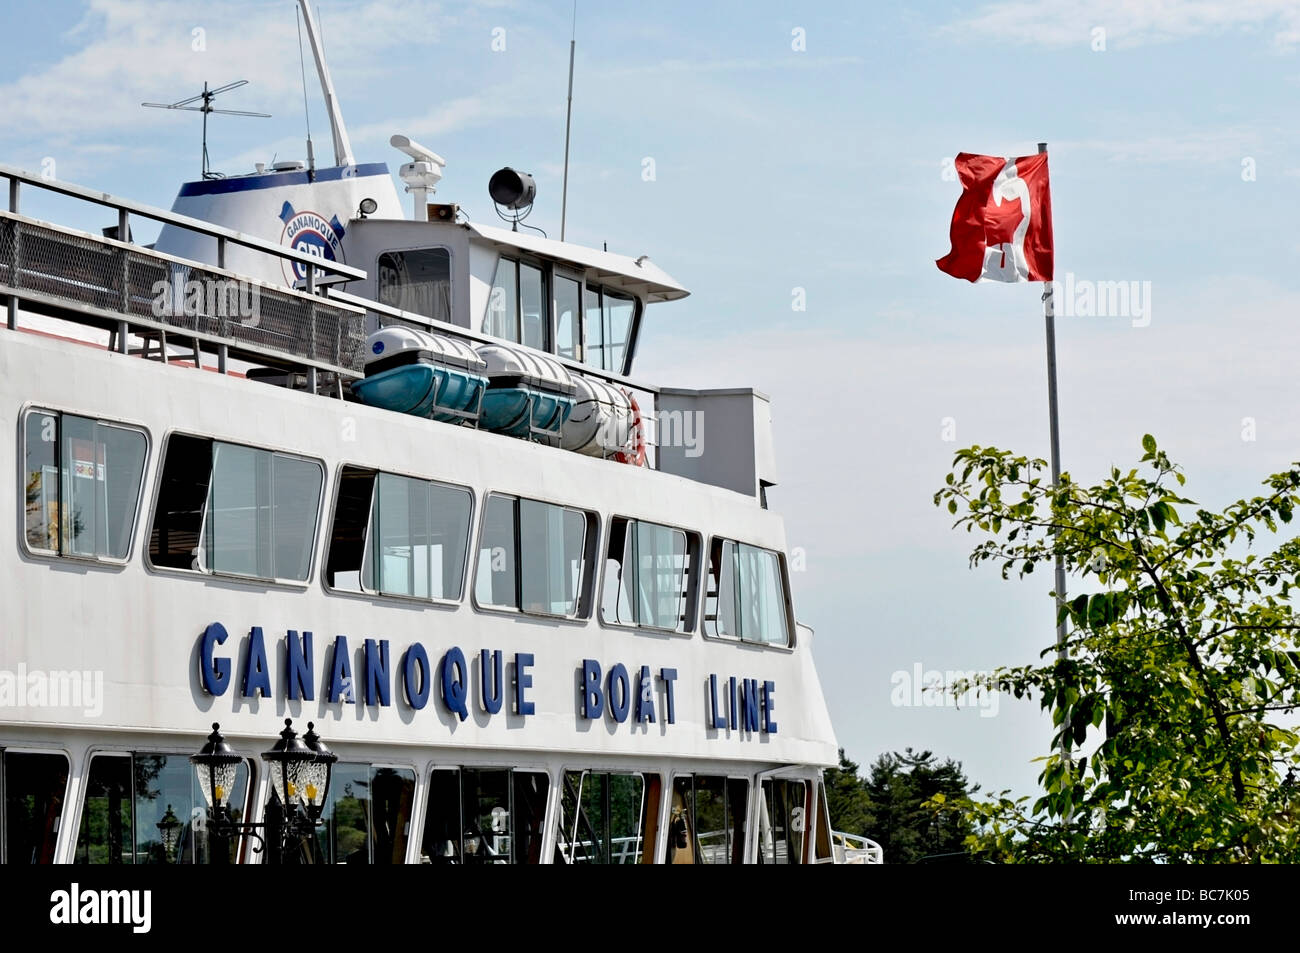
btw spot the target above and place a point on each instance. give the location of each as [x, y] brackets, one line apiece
[299, 769]
[169, 829]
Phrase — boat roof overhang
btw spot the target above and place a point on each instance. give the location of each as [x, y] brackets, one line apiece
[641, 277]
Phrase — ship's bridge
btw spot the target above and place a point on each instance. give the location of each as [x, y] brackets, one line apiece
[579, 303]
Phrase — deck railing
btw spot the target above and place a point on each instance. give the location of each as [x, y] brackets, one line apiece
[129, 289]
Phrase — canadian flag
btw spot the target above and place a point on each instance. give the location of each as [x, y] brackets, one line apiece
[1002, 225]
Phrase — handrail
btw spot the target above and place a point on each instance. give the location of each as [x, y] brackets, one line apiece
[15, 174]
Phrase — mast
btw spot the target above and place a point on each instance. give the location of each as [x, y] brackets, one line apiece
[342, 147]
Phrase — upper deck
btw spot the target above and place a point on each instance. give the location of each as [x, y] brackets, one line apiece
[148, 620]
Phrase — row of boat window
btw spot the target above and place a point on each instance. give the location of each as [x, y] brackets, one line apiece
[230, 509]
[530, 304]
[147, 809]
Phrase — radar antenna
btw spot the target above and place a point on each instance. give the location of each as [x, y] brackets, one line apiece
[207, 96]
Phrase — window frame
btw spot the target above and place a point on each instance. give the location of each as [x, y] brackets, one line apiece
[586, 586]
[790, 625]
[519, 258]
[251, 808]
[298, 584]
[633, 326]
[451, 276]
[577, 275]
[549, 809]
[65, 809]
[24, 413]
[691, 600]
[727, 774]
[362, 593]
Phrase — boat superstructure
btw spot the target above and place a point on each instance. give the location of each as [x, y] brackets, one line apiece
[303, 458]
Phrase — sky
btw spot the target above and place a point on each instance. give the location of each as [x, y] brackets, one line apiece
[769, 155]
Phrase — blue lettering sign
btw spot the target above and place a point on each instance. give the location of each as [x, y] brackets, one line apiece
[769, 689]
[669, 675]
[616, 687]
[340, 672]
[257, 675]
[491, 696]
[645, 697]
[378, 686]
[716, 719]
[453, 682]
[298, 661]
[593, 699]
[213, 673]
[523, 681]
[415, 676]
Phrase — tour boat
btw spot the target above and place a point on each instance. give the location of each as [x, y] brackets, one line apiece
[343, 536]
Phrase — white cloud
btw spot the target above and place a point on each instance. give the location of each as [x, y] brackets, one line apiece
[1129, 23]
[143, 51]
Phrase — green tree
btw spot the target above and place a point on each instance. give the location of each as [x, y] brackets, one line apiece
[847, 800]
[890, 806]
[899, 790]
[1181, 656]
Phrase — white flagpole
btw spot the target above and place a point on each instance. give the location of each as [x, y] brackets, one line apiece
[1049, 317]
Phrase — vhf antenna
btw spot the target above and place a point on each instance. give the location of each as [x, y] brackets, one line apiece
[207, 96]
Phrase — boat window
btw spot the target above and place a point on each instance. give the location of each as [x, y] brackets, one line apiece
[484, 816]
[397, 535]
[746, 594]
[531, 556]
[129, 796]
[707, 820]
[503, 302]
[34, 787]
[418, 281]
[603, 819]
[825, 834]
[782, 821]
[568, 317]
[83, 480]
[649, 576]
[366, 818]
[517, 306]
[533, 313]
[608, 325]
[233, 509]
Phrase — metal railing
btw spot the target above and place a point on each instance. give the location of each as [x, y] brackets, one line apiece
[130, 289]
[852, 849]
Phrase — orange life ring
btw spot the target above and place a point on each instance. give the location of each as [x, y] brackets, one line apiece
[637, 455]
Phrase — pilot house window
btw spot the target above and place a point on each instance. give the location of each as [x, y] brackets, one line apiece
[517, 306]
[83, 480]
[227, 508]
[418, 281]
[607, 328]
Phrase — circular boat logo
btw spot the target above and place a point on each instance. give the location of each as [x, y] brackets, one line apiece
[309, 232]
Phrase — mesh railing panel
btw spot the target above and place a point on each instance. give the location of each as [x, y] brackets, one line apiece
[135, 283]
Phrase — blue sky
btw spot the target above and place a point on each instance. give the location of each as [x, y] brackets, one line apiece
[1174, 161]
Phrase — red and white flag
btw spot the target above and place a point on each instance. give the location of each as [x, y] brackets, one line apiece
[1002, 225]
